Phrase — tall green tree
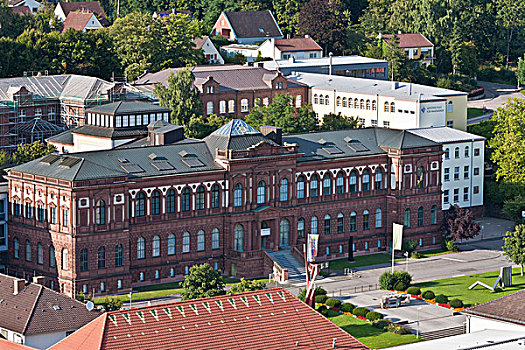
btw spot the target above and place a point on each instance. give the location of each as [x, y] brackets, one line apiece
[511, 18]
[398, 64]
[514, 247]
[287, 14]
[465, 59]
[520, 72]
[247, 286]
[202, 282]
[338, 121]
[199, 128]
[26, 152]
[181, 96]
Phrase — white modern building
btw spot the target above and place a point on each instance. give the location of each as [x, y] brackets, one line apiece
[462, 167]
[249, 51]
[386, 104]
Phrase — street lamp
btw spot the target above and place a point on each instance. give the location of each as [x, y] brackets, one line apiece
[417, 332]
[406, 255]
[130, 296]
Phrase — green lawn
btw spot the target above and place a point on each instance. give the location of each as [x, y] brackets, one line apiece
[457, 287]
[433, 252]
[370, 336]
[474, 112]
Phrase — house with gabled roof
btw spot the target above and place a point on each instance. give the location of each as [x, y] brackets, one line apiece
[297, 48]
[415, 45]
[82, 21]
[211, 54]
[247, 27]
[32, 5]
[63, 9]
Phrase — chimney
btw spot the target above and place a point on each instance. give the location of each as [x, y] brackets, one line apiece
[274, 133]
[39, 280]
[307, 36]
[18, 285]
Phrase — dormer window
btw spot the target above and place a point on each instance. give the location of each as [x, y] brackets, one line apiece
[118, 121]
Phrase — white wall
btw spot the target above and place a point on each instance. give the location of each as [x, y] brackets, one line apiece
[60, 13]
[83, 143]
[432, 114]
[475, 324]
[209, 49]
[44, 340]
[93, 24]
[268, 49]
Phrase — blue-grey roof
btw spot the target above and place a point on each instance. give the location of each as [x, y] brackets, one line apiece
[236, 135]
[128, 107]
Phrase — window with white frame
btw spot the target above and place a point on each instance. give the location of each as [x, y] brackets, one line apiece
[222, 107]
[244, 105]
[209, 108]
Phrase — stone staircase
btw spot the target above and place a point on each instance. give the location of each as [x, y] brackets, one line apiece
[285, 259]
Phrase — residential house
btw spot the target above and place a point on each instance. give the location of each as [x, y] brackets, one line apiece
[33, 5]
[9, 345]
[21, 10]
[297, 48]
[416, 46]
[82, 21]
[211, 54]
[35, 315]
[247, 27]
[64, 8]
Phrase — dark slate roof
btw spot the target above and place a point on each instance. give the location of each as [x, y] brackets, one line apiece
[92, 6]
[65, 138]
[254, 24]
[111, 133]
[33, 310]
[508, 308]
[128, 107]
[236, 135]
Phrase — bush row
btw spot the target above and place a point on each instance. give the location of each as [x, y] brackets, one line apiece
[441, 299]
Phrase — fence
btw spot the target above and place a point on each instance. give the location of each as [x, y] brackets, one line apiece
[338, 292]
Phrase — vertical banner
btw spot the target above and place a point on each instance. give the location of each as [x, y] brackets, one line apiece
[397, 239]
[312, 248]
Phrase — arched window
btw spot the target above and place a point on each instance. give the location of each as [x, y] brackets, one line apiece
[170, 201]
[300, 228]
[155, 203]
[238, 238]
[387, 107]
[327, 185]
[378, 184]
[215, 239]
[374, 105]
[100, 213]
[379, 218]
[171, 244]
[215, 196]
[16, 248]
[362, 104]
[84, 260]
[39, 254]
[326, 100]
[101, 257]
[209, 108]
[456, 152]
[65, 263]
[321, 99]
[433, 215]
[327, 224]
[450, 108]
[155, 246]
[300, 187]
[407, 218]
[186, 199]
[340, 183]
[140, 204]
[28, 250]
[366, 218]
[367, 105]
[344, 102]
[338, 101]
[353, 221]
[316, 99]
[353, 181]
[420, 181]
[356, 103]
[284, 239]
[237, 195]
[366, 180]
[313, 225]
[420, 216]
[141, 248]
[314, 183]
[200, 198]
[200, 241]
[261, 192]
[118, 255]
[52, 257]
[392, 107]
[186, 242]
[283, 190]
[340, 223]
[467, 152]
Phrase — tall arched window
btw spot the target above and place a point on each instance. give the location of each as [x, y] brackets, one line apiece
[141, 248]
[16, 248]
[356, 103]
[316, 99]
[327, 185]
[420, 217]
[155, 203]
[52, 257]
[140, 204]
[238, 238]
[321, 99]
[215, 239]
[65, 256]
[387, 107]
[84, 260]
[374, 105]
[119, 259]
[327, 224]
[28, 250]
[100, 213]
[420, 181]
[186, 199]
[200, 198]
[313, 225]
[284, 233]
[300, 228]
[237, 195]
[186, 242]
[215, 196]
[366, 219]
[433, 215]
[367, 105]
[340, 183]
[340, 223]
[362, 104]
[300, 187]
[200, 241]
[155, 246]
[171, 244]
[378, 184]
[338, 101]
[392, 107]
[344, 102]
[314, 184]
[283, 190]
[353, 221]
[261, 192]
[366, 180]
[456, 153]
[209, 108]
[326, 100]
[353, 181]
[101, 257]
[467, 152]
[39, 254]
[407, 218]
[379, 218]
[170, 201]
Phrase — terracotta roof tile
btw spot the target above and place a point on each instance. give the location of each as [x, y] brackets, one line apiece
[76, 20]
[297, 44]
[409, 40]
[92, 6]
[9, 345]
[508, 308]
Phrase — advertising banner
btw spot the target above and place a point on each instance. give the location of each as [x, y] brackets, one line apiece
[313, 245]
[397, 239]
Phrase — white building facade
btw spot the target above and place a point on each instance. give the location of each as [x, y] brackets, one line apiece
[296, 48]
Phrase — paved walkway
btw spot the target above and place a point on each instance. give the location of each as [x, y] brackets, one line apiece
[496, 95]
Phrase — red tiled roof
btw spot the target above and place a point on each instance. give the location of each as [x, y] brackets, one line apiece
[9, 345]
[92, 6]
[200, 41]
[508, 308]
[76, 20]
[268, 319]
[21, 10]
[297, 44]
[409, 40]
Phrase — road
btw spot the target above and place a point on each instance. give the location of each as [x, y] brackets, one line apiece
[496, 95]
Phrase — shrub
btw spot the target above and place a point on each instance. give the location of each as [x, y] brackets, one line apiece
[318, 291]
[455, 303]
[360, 311]
[452, 247]
[381, 324]
[347, 307]
[441, 299]
[400, 285]
[321, 299]
[396, 329]
[374, 316]
[414, 291]
[333, 302]
[415, 255]
[403, 276]
[387, 280]
[321, 309]
[428, 294]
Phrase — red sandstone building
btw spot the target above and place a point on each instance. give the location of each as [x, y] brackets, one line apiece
[143, 213]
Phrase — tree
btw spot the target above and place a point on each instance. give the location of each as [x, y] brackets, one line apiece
[247, 286]
[520, 72]
[513, 207]
[398, 64]
[514, 247]
[4, 158]
[199, 127]
[409, 246]
[181, 96]
[202, 282]
[338, 121]
[26, 152]
[465, 59]
[458, 223]
[111, 304]
[287, 14]
[511, 17]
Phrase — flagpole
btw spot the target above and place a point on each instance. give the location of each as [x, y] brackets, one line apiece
[392, 257]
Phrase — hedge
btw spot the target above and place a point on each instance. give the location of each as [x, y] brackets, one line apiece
[360, 311]
[392, 328]
[374, 316]
[428, 294]
[388, 280]
[414, 291]
[381, 324]
[333, 302]
[456, 303]
[321, 299]
[347, 307]
[441, 299]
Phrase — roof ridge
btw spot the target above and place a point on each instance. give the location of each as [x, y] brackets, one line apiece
[84, 160]
[33, 307]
